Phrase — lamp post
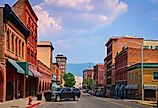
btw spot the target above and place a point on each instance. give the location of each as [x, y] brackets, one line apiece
[142, 72]
[142, 56]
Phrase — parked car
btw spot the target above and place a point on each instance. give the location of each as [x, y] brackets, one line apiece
[63, 93]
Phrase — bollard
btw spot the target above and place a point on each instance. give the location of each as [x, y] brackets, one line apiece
[30, 100]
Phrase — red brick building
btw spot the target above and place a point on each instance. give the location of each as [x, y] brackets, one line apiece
[99, 78]
[88, 73]
[127, 57]
[13, 36]
[42, 73]
[25, 12]
[61, 60]
[45, 82]
[99, 73]
[114, 45]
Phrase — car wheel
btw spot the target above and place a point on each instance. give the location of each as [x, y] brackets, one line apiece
[58, 98]
[76, 98]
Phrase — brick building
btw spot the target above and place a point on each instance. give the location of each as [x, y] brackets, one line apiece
[61, 60]
[44, 64]
[25, 12]
[127, 57]
[114, 45]
[87, 73]
[13, 36]
[150, 76]
[99, 78]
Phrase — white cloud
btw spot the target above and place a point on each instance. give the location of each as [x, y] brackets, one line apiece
[74, 4]
[47, 25]
[76, 18]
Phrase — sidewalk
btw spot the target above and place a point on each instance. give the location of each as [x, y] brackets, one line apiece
[21, 103]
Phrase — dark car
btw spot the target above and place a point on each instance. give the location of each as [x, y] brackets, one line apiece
[64, 93]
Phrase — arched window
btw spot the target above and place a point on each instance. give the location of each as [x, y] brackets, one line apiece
[12, 42]
[19, 47]
[23, 49]
[8, 40]
[16, 45]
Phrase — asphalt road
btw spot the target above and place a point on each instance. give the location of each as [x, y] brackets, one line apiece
[93, 102]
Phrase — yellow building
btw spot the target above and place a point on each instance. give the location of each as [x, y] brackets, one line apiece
[134, 87]
[45, 52]
[151, 44]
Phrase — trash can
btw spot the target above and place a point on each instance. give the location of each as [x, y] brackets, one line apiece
[39, 96]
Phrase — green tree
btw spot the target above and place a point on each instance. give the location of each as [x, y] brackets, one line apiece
[69, 80]
[88, 82]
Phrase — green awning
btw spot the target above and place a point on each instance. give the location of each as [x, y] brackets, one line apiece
[17, 67]
[25, 67]
[30, 73]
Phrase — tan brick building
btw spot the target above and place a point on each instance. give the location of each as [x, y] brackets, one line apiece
[134, 87]
[127, 57]
[44, 64]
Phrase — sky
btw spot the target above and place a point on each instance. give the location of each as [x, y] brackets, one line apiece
[79, 29]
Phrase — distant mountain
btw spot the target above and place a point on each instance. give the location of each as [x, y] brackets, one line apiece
[77, 69]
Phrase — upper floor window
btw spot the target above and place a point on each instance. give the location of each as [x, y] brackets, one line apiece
[19, 47]
[8, 39]
[155, 75]
[156, 47]
[146, 47]
[12, 42]
[23, 49]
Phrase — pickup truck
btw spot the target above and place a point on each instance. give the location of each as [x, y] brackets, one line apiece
[63, 93]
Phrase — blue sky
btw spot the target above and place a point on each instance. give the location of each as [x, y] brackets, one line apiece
[80, 28]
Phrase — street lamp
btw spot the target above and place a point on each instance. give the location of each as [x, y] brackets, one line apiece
[142, 72]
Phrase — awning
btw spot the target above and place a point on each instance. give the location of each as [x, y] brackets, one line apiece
[35, 72]
[150, 87]
[25, 67]
[17, 67]
[134, 86]
[127, 86]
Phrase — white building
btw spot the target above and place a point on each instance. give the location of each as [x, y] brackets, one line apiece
[79, 81]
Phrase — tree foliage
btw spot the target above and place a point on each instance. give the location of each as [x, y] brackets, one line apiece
[69, 80]
[88, 82]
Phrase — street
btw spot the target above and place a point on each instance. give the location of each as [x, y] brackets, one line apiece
[93, 102]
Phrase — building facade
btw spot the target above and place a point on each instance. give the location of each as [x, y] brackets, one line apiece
[114, 45]
[45, 58]
[25, 12]
[61, 60]
[127, 57]
[79, 81]
[87, 73]
[13, 36]
[134, 87]
[45, 53]
[99, 78]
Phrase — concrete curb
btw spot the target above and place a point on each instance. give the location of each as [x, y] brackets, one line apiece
[34, 105]
[148, 104]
